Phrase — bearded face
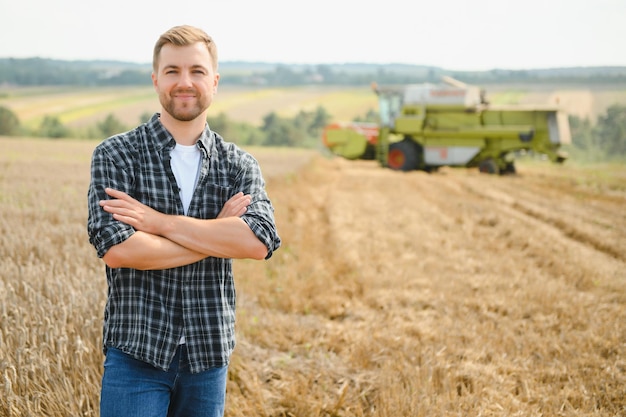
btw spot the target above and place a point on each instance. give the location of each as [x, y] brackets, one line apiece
[186, 81]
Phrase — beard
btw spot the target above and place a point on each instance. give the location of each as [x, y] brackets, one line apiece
[187, 110]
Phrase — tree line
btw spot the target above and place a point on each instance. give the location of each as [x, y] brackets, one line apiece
[592, 141]
[47, 72]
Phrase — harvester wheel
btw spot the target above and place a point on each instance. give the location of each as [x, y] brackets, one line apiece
[488, 166]
[509, 169]
[403, 155]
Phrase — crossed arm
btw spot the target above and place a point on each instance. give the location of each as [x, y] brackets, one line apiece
[164, 241]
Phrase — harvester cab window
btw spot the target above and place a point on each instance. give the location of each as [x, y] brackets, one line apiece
[389, 105]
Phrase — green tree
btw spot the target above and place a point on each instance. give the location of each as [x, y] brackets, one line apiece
[370, 117]
[611, 131]
[221, 124]
[51, 127]
[9, 123]
[314, 122]
[145, 117]
[583, 147]
[238, 132]
[321, 118]
[282, 132]
[110, 126]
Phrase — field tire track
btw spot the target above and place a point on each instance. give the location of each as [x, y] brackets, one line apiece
[572, 232]
[564, 226]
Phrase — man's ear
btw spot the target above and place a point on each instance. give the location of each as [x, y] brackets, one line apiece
[216, 81]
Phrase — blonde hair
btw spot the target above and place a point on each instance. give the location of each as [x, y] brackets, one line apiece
[183, 36]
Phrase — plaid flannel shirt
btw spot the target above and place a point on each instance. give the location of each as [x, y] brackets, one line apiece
[147, 312]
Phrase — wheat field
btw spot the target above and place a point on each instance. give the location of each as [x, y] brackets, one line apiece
[394, 294]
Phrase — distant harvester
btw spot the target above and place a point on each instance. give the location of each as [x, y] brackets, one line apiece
[425, 126]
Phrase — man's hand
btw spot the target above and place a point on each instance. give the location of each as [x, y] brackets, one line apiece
[236, 206]
[130, 211]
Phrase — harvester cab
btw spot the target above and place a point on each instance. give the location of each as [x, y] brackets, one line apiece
[425, 126]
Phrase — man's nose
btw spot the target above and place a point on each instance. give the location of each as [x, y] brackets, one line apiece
[185, 79]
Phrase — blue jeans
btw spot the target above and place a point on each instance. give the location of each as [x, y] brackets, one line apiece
[134, 388]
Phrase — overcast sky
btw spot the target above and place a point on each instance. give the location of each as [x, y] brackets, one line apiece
[453, 34]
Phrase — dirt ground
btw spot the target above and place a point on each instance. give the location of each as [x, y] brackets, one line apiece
[393, 294]
[452, 293]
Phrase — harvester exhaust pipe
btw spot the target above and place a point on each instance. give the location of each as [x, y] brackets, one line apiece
[453, 82]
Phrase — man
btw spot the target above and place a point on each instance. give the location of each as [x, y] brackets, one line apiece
[170, 205]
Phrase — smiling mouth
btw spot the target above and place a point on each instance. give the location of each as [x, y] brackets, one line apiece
[184, 94]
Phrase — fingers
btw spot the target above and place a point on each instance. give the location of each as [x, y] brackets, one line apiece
[240, 200]
[119, 199]
[121, 204]
[118, 194]
[236, 206]
[116, 209]
[114, 203]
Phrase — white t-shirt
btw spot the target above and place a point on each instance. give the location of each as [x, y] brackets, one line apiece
[185, 162]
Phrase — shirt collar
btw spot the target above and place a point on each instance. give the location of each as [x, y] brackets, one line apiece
[163, 138]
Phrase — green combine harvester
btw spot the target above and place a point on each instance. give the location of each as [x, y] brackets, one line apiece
[426, 126]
